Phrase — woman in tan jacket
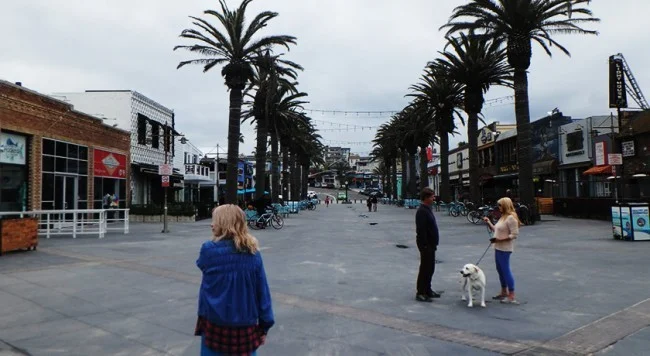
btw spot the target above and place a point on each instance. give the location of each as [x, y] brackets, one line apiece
[506, 231]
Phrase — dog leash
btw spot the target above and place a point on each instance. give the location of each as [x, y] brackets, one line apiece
[486, 250]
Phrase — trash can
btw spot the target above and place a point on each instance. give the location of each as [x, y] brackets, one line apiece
[640, 221]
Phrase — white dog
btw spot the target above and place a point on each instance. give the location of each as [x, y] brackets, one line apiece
[473, 280]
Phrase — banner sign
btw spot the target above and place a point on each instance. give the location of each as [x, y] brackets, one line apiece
[109, 164]
[627, 148]
[13, 148]
[601, 153]
[617, 93]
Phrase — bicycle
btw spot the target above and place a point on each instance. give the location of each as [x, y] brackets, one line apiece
[269, 218]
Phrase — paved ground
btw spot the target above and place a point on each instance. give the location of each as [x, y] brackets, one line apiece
[340, 287]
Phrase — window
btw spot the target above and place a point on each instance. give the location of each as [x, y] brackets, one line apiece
[155, 135]
[574, 141]
[142, 129]
[62, 159]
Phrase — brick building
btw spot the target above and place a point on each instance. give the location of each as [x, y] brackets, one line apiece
[53, 157]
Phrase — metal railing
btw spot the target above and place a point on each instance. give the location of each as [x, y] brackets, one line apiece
[76, 222]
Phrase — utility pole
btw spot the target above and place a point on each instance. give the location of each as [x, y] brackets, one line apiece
[167, 145]
[217, 174]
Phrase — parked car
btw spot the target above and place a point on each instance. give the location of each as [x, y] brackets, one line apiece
[341, 195]
[376, 193]
[330, 186]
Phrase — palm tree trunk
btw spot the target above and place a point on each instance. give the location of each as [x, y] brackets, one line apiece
[285, 175]
[260, 157]
[424, 174]
[445, 190]
[275, 167]
[295, 174]
[234, 118]
[304, 182]
[394, 178]
[404, 174]
[412, 184]
[526, 193]
[387, 184]
[472, 136]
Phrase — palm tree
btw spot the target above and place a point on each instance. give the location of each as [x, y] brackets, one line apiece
[477, 63]
[519, 22]
[444, 96]
[282, 123]
[235, 48]
[272, 77]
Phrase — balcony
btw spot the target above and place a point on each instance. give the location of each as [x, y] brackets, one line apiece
[196, 173]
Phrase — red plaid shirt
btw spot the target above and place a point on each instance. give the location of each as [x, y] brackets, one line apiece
[233, 341]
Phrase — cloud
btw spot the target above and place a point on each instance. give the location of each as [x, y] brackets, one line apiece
[358, 55]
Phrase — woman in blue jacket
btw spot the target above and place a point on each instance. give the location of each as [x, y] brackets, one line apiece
[235, 310]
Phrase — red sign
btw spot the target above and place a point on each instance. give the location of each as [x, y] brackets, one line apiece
[429, 153]
[109, 164]
[165, 181]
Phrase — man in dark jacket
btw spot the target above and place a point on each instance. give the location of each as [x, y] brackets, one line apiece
[427, 241]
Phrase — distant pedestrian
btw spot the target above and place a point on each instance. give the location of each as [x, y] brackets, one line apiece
[327, 201]
[373, 200]
[369, 204]
[427, 238]
[235, 311]
[506, 231]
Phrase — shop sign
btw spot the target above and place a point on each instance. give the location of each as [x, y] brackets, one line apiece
[13, 148]
[109, 164]
[509, 168]
[627, 148]
[615, 159]
[165, 181]
[600, 153]
[617, 94]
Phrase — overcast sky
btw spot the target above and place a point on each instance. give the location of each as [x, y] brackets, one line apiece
[358, 55]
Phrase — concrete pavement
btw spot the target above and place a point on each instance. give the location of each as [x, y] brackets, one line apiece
[340, 287]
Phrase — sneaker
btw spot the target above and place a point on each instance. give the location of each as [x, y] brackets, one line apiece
[499, 297]
[423, 298]
[509, 301]
[433, 294]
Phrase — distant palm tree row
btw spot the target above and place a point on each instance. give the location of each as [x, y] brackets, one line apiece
[253, 70]
[489, 42]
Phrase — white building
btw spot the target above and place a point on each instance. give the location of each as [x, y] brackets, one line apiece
[187, 160]
[149, 123]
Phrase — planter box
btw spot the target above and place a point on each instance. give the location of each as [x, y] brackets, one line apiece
[16, 234]
[151, 219]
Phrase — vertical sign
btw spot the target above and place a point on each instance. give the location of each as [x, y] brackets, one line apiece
[600, 153]
[617, 94]
[165, 181]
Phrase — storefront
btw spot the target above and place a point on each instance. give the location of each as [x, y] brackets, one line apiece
[13, 171]
[54, 157]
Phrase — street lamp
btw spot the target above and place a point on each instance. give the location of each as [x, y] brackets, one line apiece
[346, 192]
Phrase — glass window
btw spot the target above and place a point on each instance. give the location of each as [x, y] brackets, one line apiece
[48, 187]
[48, 164]
[83, 168]
[61, 149]
[83, 153]
[73, 151]
[98, 189]
[60, 165]
[48, 147]
[73, 165]
[82, 186]
[155, 135]
[13, 187]
[142, 129]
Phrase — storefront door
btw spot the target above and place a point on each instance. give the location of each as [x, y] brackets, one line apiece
[65, 196]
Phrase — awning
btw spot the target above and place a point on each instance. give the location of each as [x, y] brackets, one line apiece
[598, 170]
[509, 175]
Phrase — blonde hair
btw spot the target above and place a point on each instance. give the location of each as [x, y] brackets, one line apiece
[229, 223]
[508, 209]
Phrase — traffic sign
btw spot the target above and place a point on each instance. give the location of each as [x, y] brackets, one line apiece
[615, 159]
[165, 181]
[165, 169]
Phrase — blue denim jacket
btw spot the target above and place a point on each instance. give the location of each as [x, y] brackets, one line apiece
[234, 291]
